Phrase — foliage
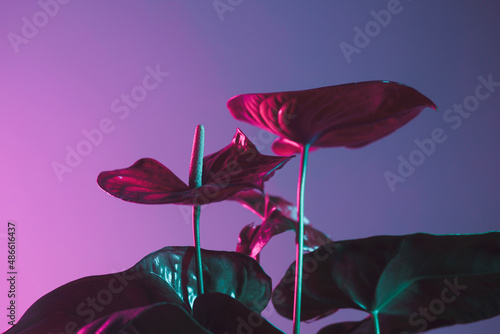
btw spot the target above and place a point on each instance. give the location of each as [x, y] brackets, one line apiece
[407, 284]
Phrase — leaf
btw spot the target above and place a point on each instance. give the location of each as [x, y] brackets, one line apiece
[280, 216]
[227, 272]
[409, 283]
[236, 167]
[167, 275]
[351, 115]
[220, 313]
[157, 318]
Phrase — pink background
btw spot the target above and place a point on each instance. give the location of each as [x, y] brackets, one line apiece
[63, 78]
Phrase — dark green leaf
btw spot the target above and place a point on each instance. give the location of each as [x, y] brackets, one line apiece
[167, 275]
[409, 283]
[222, 314]
[158, 318]
[231, 273]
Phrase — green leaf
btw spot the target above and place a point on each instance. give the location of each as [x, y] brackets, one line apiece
[167, 275]
[407, 283]
[157, 318]
[220, 313]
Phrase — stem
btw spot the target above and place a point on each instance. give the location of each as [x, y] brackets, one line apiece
[377, 325]
[299, 241]
[195, 178]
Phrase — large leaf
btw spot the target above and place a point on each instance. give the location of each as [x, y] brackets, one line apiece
[236, 167]
[222, 314]
[278, 215]
[212, 313]
[231, 273]
[167, 275]
[408, 283]
[157, 318]
[350, 115]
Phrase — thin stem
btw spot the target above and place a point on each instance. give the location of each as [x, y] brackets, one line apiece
[299, 241]
[377, 325]
[197, 245]
[195, 178]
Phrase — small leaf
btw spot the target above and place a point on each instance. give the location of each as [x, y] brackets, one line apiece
[157, 318]
[167, 275]
[281, 217]
[410, 283]
[236, 167]
[220, 313]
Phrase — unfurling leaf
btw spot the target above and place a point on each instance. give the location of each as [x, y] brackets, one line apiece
[278, 216]
[409, 283]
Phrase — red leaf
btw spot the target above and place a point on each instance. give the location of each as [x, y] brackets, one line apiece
[350, 115]
[236, 167]
[279, 216]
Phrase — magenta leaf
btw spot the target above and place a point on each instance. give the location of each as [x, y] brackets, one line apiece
[409, 283]
[236, 167]
[351, 115]
[157, 318]
[168, 275]
[220, 313]
[279, 216]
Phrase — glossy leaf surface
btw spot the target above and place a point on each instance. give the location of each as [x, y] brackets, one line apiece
[411, 283]
[279, 216]
[227, 272]
[167, 275]
[222, 314]
[351, 115]
[236, 167]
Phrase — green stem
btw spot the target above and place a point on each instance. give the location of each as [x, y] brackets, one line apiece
[299, 241]
[197, 245]
[195, 179]
[377, 325]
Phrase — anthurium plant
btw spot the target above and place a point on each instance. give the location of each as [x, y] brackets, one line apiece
[448, 279]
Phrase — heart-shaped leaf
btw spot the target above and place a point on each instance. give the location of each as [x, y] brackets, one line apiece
[167, 275]
[278, 216]
[350, 115]
[157, 318]
[220, 313]
[231, 273]
[236, 167]
[407, 283]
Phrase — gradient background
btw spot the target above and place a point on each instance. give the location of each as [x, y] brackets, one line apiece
[65, 78]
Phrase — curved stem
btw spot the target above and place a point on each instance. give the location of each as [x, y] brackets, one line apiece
[299, 241]
[195, 179]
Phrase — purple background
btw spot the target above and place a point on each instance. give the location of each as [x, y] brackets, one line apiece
[63, 79]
